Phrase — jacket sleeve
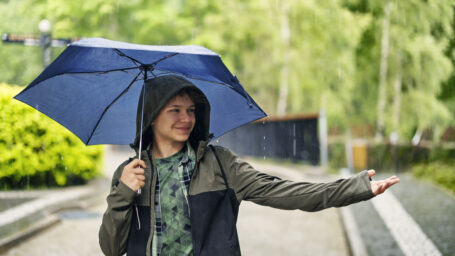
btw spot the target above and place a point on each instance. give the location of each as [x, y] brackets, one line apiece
[252, 185]
[115, 227]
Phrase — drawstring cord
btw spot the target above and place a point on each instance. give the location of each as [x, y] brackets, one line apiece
[138, 226]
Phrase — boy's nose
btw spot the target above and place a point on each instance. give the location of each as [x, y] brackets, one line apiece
[185, 117]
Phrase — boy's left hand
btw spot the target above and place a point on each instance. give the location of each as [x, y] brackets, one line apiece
[379, 186]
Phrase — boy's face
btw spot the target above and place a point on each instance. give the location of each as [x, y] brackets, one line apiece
[175, 121]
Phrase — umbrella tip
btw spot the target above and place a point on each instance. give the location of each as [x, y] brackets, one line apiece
[234, 79]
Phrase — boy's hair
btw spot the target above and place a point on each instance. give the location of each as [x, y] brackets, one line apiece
[195, 96]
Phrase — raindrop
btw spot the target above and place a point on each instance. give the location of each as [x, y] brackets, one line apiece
[263, 122]
[217, 141]
[294, 147]
[264, 137]
[265, 157]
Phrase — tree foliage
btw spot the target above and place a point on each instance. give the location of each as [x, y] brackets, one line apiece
[331, 58]
[419, 35]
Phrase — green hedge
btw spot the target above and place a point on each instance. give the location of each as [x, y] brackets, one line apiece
[36, 151]
[440, 173]
[435, 164]
[386, 157]
[337, 156]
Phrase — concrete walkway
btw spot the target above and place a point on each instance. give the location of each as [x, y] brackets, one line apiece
[262, 230]
[267, 231]
[72, 236]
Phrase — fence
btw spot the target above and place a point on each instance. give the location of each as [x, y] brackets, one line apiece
[293, 138]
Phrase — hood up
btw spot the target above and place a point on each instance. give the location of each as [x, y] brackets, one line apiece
[158, 91]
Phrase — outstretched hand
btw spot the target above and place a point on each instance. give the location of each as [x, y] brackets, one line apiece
[379, 186]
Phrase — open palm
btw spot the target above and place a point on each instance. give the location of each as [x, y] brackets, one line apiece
[379, 186]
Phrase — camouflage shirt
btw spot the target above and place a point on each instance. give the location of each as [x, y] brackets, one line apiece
[172, 234]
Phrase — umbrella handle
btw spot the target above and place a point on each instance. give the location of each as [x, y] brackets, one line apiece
[139, 191]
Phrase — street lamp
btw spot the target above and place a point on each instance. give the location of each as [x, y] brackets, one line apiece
[44, 41]
[44, 27]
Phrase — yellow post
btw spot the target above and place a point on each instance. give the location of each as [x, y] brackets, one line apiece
[360, 154]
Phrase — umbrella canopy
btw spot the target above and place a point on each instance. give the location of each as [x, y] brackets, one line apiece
[93, 87]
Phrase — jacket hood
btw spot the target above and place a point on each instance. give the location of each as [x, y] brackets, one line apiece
[158, 91]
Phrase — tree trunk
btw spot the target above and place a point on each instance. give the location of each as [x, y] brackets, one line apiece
[397, 97]
[284, 76]
[383, 71]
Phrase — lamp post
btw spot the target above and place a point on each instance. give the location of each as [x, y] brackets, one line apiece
[44, 41]
[44, 27]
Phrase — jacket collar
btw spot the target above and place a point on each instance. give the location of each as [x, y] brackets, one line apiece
[201, 149]
[202, 146]
[199, 154]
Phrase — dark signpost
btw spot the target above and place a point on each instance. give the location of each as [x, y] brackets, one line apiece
[44, 40]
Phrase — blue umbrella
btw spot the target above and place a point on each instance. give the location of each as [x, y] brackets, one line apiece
[93, 87]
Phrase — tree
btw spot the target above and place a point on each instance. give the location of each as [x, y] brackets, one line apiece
[298, 55]
[419, 33]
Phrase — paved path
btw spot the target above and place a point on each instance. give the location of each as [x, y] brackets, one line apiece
[267, 231]
[262, 230]
[407, 233]
[76, 236]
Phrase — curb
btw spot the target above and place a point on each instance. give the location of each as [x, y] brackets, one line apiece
[353, 238]
[42, 212]
[18, 237]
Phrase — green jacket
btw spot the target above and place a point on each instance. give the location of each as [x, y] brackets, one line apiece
[216, 189]
[246, 182]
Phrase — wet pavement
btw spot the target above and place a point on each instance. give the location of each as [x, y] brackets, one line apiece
[267, 231]
[72, 236]
[262, 230]
[430, 207]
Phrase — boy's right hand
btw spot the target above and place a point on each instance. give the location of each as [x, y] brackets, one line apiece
[133, 175]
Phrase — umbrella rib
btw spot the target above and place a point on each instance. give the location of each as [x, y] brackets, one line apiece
[90, 72]
[120, 53]
[165, 57]
[209, 81]
[245, 95]
[196, 78]
[107, 108]
[142, 64]
[99, 72]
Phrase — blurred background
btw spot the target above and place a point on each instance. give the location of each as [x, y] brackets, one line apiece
[354, 84]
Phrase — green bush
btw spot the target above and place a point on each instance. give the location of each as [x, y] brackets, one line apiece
[438, 172]
[337, 156]
[383, 156]
[441, 154]
[36, 151]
